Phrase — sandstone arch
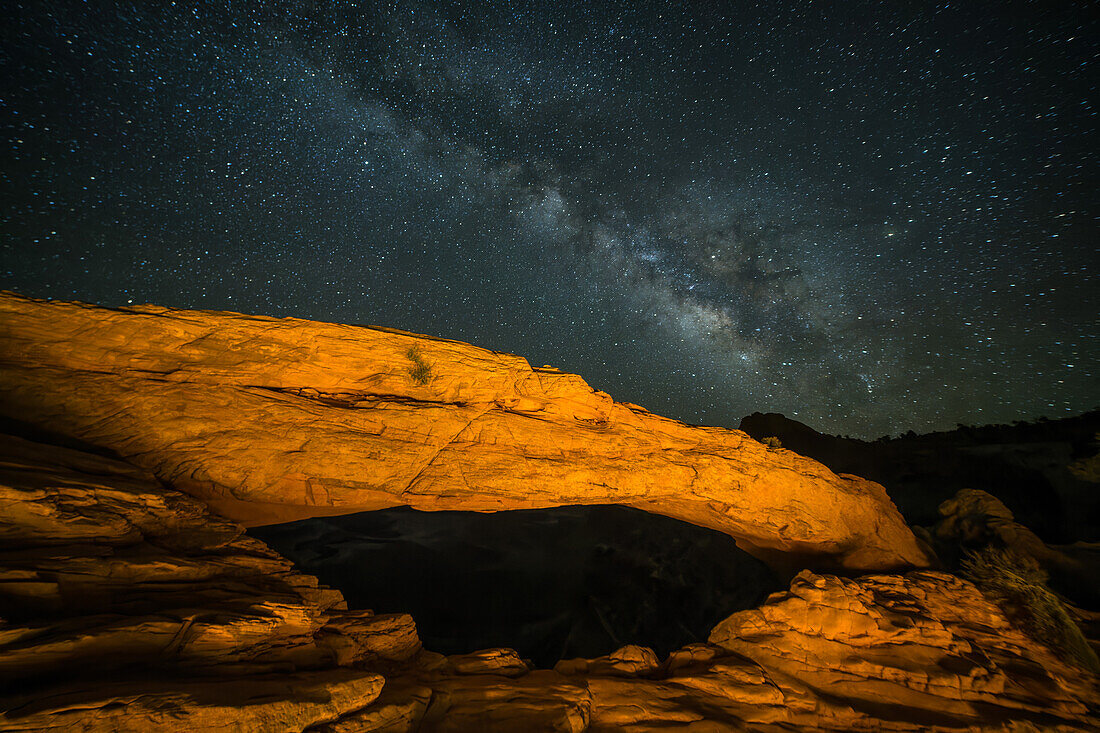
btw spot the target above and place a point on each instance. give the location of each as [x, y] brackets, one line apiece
[270, 420]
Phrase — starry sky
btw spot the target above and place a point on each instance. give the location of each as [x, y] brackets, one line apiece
[872, 217]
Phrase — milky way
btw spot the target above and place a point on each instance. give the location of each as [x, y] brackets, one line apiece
[867, 218]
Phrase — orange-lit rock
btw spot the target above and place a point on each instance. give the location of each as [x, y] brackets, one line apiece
[269, 420]
[101, 565]
[629, 661]
[923, 651]
[288, 702]
[926, 648]
[128, 606]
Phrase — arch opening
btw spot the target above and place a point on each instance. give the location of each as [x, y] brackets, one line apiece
[575, 581]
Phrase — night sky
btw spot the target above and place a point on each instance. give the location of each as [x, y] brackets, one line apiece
[870, 216]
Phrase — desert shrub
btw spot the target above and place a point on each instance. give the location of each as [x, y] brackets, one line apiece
[420, 371]
[772, 442]
[1088, 469]
[1018, 585]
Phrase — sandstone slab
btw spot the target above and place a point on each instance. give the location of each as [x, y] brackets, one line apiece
[284, 703]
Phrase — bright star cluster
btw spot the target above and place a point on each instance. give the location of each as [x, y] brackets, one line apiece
[872, 217]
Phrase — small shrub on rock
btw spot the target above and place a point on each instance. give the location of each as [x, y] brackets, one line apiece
[420, 371]
[1018, 585]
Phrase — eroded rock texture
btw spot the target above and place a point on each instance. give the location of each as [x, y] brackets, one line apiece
[128, 606]
[924, 651]
[926, 647]
[270, 420]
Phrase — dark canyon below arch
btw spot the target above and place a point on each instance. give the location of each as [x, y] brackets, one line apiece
[553, 584]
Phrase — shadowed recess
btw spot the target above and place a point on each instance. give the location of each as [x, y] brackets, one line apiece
[552, 583]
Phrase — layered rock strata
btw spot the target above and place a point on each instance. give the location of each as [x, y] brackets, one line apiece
[125, 605]
[269, 420]
[128, 606]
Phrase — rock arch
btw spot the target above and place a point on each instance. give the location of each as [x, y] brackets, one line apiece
[271, 420]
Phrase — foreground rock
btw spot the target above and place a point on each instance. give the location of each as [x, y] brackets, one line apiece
[270, 420]
[926, 648]
[289, 702]
[925, 651]
[128, 606]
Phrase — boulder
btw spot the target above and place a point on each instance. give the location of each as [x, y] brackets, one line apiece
[927, 648]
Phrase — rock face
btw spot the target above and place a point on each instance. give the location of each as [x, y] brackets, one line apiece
[128, 606]
[270, 420]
